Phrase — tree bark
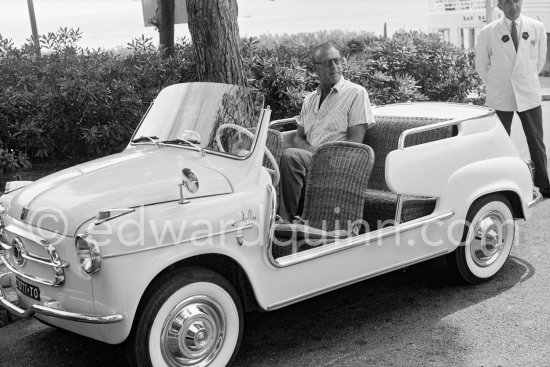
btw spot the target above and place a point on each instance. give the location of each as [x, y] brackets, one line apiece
[165, 25]
[215, 34]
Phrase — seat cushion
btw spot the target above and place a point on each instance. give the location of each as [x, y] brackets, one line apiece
[380, 207]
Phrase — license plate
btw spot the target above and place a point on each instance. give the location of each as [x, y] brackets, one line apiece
[27, 289]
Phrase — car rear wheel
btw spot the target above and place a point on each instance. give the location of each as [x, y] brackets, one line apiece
[191, 317]
[487, 240]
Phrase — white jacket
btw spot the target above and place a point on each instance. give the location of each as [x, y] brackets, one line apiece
[511, 78]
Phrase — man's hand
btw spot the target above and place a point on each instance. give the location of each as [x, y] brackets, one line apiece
[300, 140]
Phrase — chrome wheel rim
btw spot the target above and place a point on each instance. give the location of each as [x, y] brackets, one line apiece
[489, 237]
[193, 332]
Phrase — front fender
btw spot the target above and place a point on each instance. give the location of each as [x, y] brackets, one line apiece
[156, 237]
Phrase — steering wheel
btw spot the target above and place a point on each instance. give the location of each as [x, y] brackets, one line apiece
[275, 174]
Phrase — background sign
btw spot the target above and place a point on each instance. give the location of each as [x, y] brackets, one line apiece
[150, 12]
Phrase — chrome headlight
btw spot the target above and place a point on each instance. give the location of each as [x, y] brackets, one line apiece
[87, 251]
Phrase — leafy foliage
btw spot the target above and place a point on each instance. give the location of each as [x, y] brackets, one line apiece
[410, 66]
[73, 102]
[76, 103]
[11, 160]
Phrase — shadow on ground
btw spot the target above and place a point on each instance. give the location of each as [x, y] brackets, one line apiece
[394, 319]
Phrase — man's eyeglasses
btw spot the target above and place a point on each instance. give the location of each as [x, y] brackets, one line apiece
[337, 61]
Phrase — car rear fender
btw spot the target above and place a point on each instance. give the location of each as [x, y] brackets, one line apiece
[426, 169]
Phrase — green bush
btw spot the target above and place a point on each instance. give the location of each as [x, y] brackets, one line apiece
[75, 103]
[11, 161]
[410, 66]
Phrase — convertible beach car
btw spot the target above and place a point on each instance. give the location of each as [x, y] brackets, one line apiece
[164, 245]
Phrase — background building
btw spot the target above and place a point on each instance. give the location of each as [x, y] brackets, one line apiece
[459, 21]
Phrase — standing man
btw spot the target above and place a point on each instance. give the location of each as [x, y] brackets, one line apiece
[510, 54]
[337, 110]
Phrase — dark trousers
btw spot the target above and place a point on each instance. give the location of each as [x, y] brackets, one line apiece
[531, 121]
[294, 167]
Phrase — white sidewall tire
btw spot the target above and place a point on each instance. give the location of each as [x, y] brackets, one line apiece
[485, 272]
[231, 314]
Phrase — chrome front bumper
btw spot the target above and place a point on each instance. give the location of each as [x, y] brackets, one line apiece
[536, 200]
[50, 308]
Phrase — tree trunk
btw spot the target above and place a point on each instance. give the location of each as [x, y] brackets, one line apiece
[165, 24]
[215, 34]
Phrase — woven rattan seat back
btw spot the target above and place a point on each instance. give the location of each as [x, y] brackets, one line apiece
[383, 137]
[336, 184]
[275, 145]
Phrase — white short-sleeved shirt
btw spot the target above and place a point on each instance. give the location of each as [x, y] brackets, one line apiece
[347, 104]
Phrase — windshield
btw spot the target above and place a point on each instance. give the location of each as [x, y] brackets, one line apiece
[203, 116]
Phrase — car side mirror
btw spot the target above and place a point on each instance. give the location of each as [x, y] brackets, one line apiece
[190, 181]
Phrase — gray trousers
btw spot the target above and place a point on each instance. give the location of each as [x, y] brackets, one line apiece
[531, 120]
[294, 167]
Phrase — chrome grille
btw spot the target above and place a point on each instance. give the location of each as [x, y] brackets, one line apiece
[31, 257]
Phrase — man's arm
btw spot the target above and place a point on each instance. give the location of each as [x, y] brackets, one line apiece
[300, 140]
[356, 133]
[542, 49]
[360, 116]
[482, 55]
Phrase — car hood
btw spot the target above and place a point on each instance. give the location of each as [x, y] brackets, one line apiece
[64, 200]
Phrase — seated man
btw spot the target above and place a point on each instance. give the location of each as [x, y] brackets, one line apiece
[337, 110]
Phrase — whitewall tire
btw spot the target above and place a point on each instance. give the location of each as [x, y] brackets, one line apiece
[191, 317]
[487, 242]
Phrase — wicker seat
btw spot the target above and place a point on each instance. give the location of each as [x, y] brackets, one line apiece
[275, 145]
[383, 137]
[380, 207]
[334, 197]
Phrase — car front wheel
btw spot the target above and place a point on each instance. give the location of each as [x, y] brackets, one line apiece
[190, 317]
[487, 241]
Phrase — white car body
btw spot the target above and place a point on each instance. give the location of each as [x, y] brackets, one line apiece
[231, 218]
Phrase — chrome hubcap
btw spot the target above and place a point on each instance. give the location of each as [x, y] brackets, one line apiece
[193, 332]
[490, 234]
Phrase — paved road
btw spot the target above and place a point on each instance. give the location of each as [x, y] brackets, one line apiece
[413, 317]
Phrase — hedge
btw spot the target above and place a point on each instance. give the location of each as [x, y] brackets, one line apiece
[76, 103]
